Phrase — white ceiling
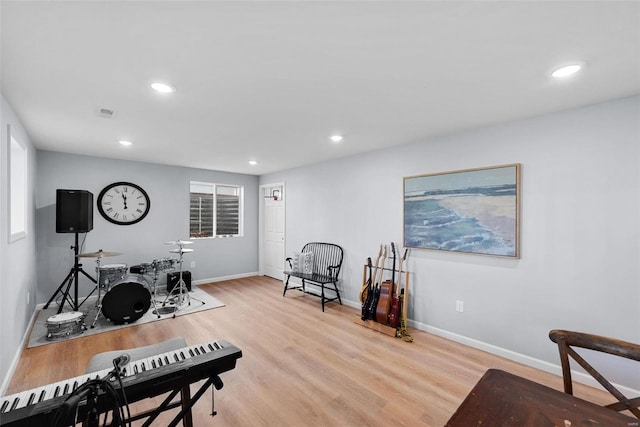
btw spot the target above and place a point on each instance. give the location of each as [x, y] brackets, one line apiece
[271, 81]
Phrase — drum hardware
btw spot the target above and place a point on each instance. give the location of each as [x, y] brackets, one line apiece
[64, 325]
[72, 278]
[152, 269]
[179, 295]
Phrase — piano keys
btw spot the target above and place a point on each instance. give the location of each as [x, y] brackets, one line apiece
[141, 379]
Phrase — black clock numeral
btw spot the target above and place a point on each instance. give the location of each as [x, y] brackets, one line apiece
[139, 211]
[106, 203]
[116, 215]
[109, 210]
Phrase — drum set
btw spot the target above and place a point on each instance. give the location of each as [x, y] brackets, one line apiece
[126, 294]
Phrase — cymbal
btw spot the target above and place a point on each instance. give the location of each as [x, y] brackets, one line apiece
[179, 242]
[99, 254]
[178, 251]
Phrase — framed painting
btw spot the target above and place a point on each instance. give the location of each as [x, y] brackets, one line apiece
[473, 211]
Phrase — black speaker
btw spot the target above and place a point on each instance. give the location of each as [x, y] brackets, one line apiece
[74, 211]
[174, 277]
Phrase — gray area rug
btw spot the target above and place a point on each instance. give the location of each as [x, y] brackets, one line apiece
[69, 325]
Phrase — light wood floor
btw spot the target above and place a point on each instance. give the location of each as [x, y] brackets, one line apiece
[300, 367]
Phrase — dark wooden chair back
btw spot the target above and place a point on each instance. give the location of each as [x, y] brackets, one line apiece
[327, 258]
[566, 340]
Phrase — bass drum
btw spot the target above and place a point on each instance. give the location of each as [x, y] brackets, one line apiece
[126, 302]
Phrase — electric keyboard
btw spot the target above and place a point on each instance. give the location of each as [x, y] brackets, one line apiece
[140, 379]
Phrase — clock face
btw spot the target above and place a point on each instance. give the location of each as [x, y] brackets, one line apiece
[123, 203]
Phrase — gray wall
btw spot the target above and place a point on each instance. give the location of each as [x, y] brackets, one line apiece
[168, 219]
[580, 258]
[18, 258]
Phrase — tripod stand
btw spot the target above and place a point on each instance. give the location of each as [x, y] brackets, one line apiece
[72, 278]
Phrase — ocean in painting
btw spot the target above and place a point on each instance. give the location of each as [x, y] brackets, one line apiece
[462, 219]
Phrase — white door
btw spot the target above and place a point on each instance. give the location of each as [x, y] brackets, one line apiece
[273, 230]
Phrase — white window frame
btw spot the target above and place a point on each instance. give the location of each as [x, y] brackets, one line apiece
[18, 188]
[212, 188]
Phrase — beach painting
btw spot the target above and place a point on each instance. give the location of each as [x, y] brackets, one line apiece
[472, 211]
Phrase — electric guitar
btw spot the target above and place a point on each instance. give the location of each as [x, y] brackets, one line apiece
[394, 314]
[371, 310]
[386, 292]
[367, 285]
[370, 290]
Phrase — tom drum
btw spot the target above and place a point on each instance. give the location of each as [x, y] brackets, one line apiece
[111, 273]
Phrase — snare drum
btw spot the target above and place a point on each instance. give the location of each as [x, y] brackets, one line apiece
[64, 325]
[111, 273]
[164, 264]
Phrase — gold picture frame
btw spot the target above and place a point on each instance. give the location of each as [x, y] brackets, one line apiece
[471, 211]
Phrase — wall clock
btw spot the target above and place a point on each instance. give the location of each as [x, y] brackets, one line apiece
[123, 203]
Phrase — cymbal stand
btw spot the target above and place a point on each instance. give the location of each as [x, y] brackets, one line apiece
[152, 285]
[99, 300]
[180, 289]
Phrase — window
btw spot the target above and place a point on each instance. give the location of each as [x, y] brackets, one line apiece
[215, 210]
[17, 189]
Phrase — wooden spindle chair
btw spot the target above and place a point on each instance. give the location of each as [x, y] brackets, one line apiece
[566, 340]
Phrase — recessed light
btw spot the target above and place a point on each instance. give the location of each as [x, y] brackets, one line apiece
[566, 71]
[162, 87]
[336, 138]
[253, 162]
[125, 143]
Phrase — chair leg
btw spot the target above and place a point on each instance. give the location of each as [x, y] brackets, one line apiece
[323, 297]
[285, 286]
[335, 286]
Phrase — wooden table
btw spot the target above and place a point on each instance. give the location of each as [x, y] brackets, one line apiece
[504, 399]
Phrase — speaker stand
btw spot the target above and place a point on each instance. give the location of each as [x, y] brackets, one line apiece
[72, 278]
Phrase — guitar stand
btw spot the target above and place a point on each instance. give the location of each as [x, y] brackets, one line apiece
[380, 327]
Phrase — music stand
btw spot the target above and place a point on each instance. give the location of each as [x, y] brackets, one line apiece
[72, 278]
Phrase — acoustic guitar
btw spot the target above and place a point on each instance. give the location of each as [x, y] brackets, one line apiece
[395, 312]
[386, 293]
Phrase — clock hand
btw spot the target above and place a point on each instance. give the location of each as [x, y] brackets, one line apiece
[125, 200]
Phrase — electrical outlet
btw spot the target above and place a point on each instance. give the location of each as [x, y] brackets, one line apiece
[193, 264]
[459, 306]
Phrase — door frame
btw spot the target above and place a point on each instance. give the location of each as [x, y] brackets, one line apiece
[261, 250]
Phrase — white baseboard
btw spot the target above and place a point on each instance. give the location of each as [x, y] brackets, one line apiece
[542, 365]
[16, 357]
[223, 278]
